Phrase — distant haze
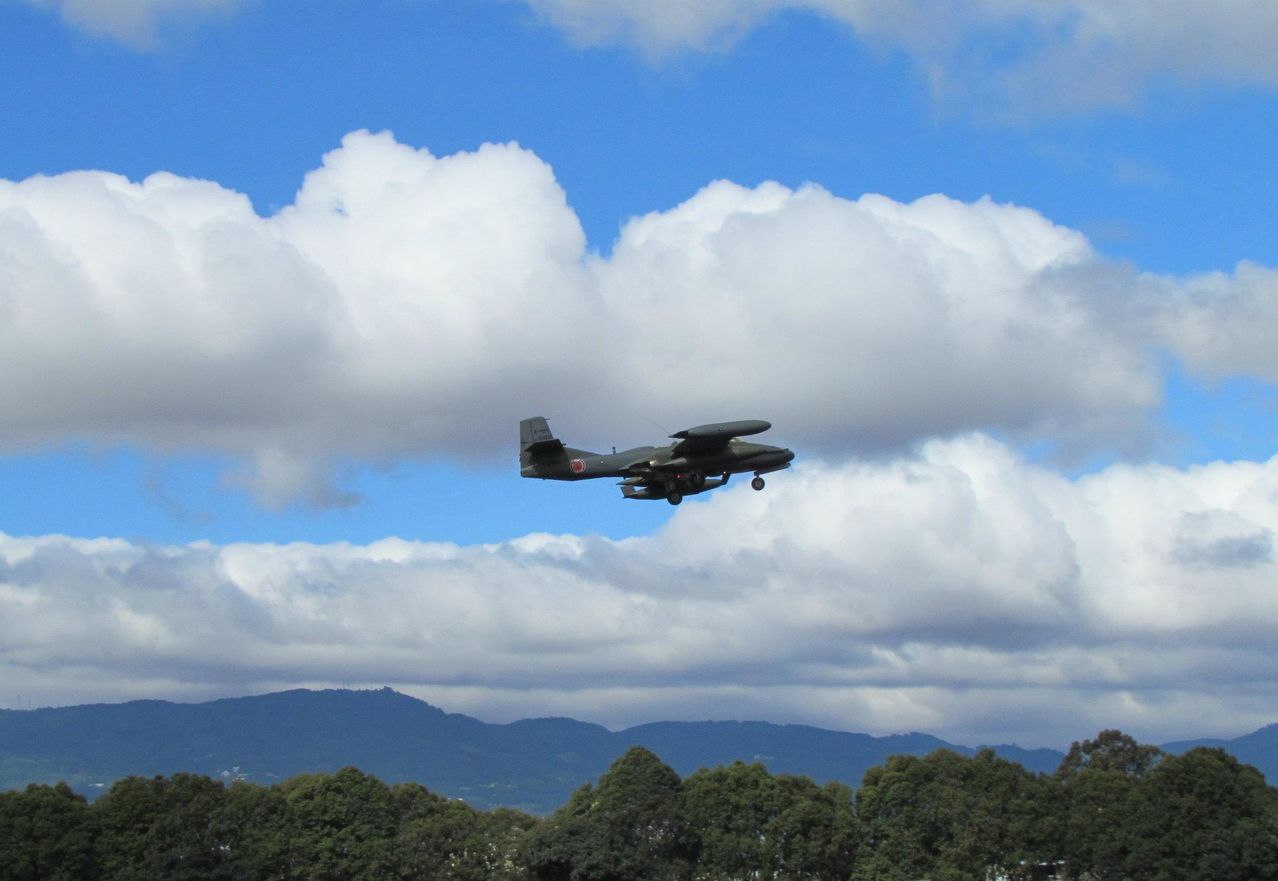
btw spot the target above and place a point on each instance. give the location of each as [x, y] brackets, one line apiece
[534, 764]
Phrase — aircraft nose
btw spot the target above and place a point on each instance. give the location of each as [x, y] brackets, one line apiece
[779, 458]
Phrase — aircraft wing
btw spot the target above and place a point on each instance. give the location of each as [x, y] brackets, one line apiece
[715, 436]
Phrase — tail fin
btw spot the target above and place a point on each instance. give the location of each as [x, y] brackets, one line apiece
[535, 436]
[538, 448]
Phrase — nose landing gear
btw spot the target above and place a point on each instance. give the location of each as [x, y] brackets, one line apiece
[757, 484]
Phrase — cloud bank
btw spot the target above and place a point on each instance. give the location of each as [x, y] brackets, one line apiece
[961, 590]
[1025, 56]
[413, 306]
[1008, 57]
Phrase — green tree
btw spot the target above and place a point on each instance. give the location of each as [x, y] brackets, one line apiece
[259, 843]
[1112, 750]
[1203, 815]
[337, 827]
[1098, 808]
[750, 824]
[628, 828]
[170, 828]
[448, 840]
[1099, 803]
[502, 859]
[948, 818]
[46, 834]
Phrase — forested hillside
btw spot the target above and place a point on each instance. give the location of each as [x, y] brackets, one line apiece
[531, 765]
[1113, 809]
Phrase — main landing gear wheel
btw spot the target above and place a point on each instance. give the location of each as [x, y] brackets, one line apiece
[757, 483]
[673, 497]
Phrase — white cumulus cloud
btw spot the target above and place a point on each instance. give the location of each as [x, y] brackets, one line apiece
[411, 306]
[961, 590]
[1222, 324]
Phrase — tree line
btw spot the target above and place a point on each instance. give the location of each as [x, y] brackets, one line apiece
[1114, 809]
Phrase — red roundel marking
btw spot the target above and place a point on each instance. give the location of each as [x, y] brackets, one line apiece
[577, 466]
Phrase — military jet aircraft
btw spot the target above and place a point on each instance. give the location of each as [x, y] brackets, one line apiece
[703, 458]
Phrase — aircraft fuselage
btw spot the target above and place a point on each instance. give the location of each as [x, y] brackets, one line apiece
[737, 457]
[703, 459]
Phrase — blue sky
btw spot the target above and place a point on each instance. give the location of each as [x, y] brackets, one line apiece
[1062, 272]
[252, 100]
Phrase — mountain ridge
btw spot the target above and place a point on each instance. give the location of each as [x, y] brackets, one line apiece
[533, 764]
